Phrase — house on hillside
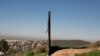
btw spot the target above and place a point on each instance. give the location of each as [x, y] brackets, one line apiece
[1, 53]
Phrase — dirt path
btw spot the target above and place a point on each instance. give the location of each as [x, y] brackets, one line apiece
[72, 52]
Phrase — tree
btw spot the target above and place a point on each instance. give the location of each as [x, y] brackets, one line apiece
[4, 46]
[40, 47]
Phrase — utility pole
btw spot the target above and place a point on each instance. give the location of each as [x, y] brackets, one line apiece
[49, 32]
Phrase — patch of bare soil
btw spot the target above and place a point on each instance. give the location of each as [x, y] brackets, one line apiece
[72, 52]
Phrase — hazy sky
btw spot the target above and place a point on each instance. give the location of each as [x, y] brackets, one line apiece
[71, 19]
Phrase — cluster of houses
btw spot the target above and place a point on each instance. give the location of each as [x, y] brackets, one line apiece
[23, 45]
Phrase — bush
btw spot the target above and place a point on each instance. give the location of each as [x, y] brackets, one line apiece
[40, 48]
[28, 53]
[93, 53]
[4, 45]
[12, 51]
[40, 54]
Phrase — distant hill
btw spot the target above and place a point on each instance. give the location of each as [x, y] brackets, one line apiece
[66, 44]
[70, 43]
[18, 38]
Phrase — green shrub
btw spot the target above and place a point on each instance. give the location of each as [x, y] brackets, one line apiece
[4, 45]
[12, 51]
[40, 48]
[93, 53]
[40, 54]
[28, 53]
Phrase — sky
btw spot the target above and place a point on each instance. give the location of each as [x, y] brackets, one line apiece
[71, 19]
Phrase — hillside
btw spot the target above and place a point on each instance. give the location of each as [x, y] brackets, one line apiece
[70, 43]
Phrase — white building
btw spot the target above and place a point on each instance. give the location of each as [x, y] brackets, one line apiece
[1, 53]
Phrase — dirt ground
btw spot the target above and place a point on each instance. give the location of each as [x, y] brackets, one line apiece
[72, 52]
